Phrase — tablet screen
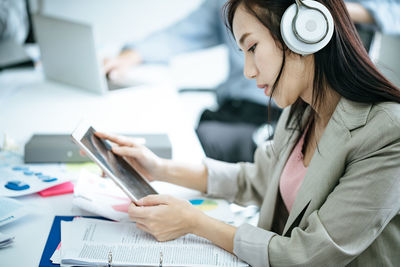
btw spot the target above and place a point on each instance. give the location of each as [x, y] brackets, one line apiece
[128, 176]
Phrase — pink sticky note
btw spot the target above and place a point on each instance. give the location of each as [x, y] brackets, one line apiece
[64, 188]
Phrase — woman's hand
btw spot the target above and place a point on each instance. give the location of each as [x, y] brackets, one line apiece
[137, 155]
[165, 217]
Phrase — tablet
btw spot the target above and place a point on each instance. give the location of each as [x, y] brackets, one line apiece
[120, 171]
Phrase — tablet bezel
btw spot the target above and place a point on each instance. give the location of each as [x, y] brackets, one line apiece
[78, 134]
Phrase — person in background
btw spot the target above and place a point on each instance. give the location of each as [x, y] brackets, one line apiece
[227, 133]
[375, 15]
[328, 184]
[14, 22]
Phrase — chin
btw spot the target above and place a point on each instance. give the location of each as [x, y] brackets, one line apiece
[281, 103]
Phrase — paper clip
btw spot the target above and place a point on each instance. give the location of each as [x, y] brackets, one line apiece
[109, 259]
[161, 259]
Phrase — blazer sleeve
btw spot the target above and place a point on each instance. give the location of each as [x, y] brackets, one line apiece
[242, 183]
[354, 214]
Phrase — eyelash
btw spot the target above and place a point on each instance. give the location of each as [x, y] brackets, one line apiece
[252, 48]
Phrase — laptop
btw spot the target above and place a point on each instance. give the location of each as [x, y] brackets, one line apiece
[68, 54]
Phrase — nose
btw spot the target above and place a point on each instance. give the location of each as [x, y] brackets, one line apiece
[250, 69]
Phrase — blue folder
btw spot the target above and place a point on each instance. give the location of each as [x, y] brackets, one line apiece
[54, 239]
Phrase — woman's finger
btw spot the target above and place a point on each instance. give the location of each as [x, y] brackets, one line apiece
[126, 151]
[137, 213]
[138, 220]
[120, 140]
[154, 200]
[143, 227]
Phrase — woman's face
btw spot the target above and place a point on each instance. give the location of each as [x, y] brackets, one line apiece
[263, 61]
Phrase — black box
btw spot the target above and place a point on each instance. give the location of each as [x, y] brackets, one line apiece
[59, 148]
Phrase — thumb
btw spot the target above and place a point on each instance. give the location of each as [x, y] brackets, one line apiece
[154, 200]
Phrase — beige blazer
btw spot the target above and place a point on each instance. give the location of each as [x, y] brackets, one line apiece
[347, 209]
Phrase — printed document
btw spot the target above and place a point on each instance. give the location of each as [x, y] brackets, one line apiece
[103, 197]
[88, 242]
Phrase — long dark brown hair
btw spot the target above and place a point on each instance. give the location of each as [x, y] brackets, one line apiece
[343, 64]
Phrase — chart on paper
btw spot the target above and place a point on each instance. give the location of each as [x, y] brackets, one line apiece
[204, 204]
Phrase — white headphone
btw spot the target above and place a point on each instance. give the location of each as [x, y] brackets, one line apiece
[307, 27]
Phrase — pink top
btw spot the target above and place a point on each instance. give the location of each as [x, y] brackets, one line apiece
[293, 175]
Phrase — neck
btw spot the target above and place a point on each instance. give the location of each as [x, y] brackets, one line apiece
[326, 106]
[324, 109]
[322, 114]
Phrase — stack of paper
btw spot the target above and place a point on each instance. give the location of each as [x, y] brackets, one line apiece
[89, 242]
[5, 240]
[11, 210]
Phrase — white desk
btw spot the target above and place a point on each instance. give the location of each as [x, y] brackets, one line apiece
[28, 105]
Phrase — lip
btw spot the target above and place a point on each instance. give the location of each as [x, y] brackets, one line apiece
[265, 87]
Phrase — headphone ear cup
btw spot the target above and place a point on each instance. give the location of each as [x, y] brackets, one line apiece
[311, 26]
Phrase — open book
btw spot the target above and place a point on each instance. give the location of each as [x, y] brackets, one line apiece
[88, 242]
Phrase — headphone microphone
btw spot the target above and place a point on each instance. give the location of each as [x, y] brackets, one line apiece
[306, 27]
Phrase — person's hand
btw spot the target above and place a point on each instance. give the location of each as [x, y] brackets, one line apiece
[137, 155]
[358, 13]
[115, 68]
[164, 217]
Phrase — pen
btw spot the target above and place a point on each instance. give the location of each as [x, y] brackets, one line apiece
[161, 259]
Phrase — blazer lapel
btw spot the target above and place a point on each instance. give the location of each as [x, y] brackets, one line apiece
[328, 162]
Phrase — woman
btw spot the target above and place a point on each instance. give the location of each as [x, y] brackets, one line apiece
[328, 185]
